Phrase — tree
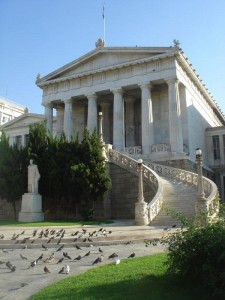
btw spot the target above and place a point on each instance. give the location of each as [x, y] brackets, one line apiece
[13, 172]
[90, 173]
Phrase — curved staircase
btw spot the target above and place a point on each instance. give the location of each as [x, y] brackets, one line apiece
[179, 197]
[174, 188]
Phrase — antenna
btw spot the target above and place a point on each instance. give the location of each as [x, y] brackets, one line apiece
[103, 16]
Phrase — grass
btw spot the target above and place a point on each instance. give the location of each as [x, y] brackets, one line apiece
[140, 278]
[51, 223]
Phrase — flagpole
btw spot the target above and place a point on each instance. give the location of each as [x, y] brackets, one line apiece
[103, 15]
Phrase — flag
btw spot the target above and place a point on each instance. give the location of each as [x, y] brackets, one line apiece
[103, 11]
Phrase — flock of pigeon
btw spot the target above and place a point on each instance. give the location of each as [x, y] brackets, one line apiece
[54, 240]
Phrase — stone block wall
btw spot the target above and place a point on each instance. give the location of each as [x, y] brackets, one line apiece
[6, 210]
[124, 193]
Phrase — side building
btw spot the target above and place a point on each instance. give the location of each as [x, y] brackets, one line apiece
[10, 110]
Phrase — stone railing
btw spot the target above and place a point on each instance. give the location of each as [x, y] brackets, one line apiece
[133, 150]
[160, 148]
[149, 176]
[209, 187]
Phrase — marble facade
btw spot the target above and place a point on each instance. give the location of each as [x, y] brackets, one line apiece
[150, 98]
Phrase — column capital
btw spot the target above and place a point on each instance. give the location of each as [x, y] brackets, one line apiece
[145, 85]
[68, 101]
[91, 96]
[172, 80]
[117, 91]
[48, 105]
[129, 99]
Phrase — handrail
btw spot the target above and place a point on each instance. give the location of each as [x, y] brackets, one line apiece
[190, 178]
[149, 176]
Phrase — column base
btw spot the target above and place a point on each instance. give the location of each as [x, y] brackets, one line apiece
[201, 205]
[31, 208]
[141, 213]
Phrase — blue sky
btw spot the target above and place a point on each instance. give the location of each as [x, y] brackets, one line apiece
[39, 36]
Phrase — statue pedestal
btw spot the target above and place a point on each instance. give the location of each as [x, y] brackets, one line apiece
[141, 213]
[31, 208]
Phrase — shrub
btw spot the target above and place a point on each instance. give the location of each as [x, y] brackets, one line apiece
[197, 254]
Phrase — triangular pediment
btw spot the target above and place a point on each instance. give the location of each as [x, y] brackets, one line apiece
[105, 58]
[23, 120]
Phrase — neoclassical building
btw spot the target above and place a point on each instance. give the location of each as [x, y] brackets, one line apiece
[153, 102]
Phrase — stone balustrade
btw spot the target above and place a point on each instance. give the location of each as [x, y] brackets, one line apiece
[210, 188]
[149, 176]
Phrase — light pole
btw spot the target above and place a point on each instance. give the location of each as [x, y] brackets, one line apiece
[201, 202]
[141, 209]
[101, 134]
[100, 126]
[140, 183]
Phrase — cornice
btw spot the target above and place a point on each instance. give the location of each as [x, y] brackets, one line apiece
[104, 69]
[185, 63]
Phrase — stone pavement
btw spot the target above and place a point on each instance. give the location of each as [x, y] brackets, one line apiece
[120, 237]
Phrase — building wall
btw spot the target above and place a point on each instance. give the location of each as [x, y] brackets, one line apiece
[124, 193]
[10, 110]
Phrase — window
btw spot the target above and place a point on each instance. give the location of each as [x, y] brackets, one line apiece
[19, 141]
[26, 139]
[224, 144]
[216, 147]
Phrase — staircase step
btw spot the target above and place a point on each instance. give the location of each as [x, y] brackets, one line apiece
[178, 197]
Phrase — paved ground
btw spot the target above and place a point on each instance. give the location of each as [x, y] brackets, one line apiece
[121, 237]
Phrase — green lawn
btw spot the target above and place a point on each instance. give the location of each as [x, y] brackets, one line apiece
[140, 278]
[51, 223]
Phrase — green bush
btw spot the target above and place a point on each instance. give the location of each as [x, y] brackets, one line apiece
[198, 255]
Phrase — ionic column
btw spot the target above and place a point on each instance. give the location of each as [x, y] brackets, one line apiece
[59, 120]
[68, 118]
[49, 117]
[118, 120]
[147, 132]
[92, 112]
[129, 121]
[175, 129]
[105, 106]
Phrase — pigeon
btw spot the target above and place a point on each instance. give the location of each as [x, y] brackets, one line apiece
[60, 260]
[23, 232]
[65, 269]
[174, 225]
[23, 257]
[97, 260]
[9, 265]
[34, 233]
[85, 240]
[40, 257]
[2, 236]
[46, 270]
[78, 248]
[44, 247]
[66, 255]
[132, 255]
[78, 257]
[113, 255]
[5, 251]
[127, 243]
[116, 260]
[13, 269]
[87, 254]
[33, 264]
[60, 248]
[100, 250]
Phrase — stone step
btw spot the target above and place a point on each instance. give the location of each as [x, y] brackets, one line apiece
[178, 197]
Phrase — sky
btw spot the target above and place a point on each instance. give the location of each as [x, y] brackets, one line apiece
[40, 36]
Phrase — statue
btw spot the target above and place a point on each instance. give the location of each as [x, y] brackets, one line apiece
[33, 178]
